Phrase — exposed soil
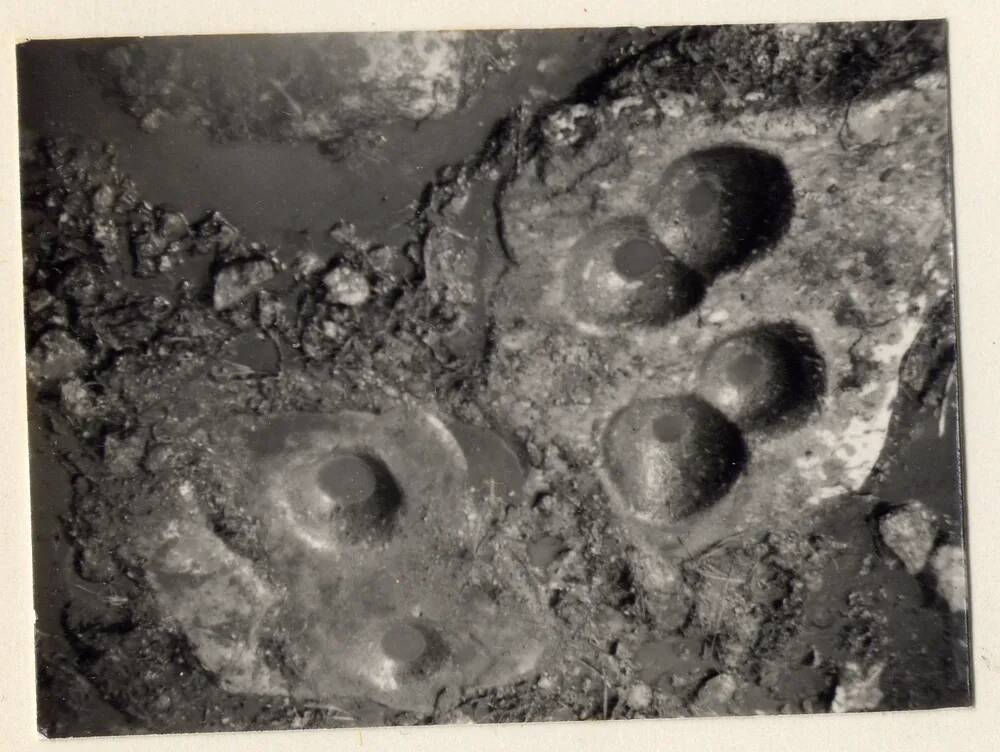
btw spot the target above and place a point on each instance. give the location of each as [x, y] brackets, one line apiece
[193, 282]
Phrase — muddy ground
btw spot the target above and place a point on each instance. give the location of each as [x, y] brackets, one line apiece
[206, 251]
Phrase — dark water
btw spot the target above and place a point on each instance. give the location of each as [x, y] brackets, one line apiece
[270, 190]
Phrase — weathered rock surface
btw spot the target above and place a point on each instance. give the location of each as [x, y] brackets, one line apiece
[864, 255]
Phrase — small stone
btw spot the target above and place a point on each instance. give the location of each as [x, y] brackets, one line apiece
[909, 532]
[109, 239]
[333, 330]
[390, 262]
[238, 280]
[344, 232]
[77, 400]
[715, 694]
[103, 199]
[640, 696]
[172, 226]
[162, 457]
[858, 689]
[148, 251]
[308, 263]
[948, 565]
[568, 125]
[214, 233]
[39, 300]
[152, 120]
[122, 455]
[347, 286]
[96, 564]
[55, 356]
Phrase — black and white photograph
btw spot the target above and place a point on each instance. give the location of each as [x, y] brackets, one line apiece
[492, 376]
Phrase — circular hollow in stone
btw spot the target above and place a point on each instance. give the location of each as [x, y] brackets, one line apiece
[765, 375]
[668, 457]
[415, 647]
[365, 498]
[670, 426]
[746, 368]
[637, 257]
[701, 199]
[404, 643]
[717, 207]
[348, 478]
[621, 274]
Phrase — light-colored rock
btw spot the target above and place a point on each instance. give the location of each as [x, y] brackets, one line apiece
[639, 697]
[948, 565]
[55, 356]
[347, 286]
[858, 688]
[235, 282]
[714, 695]
[909, 532]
